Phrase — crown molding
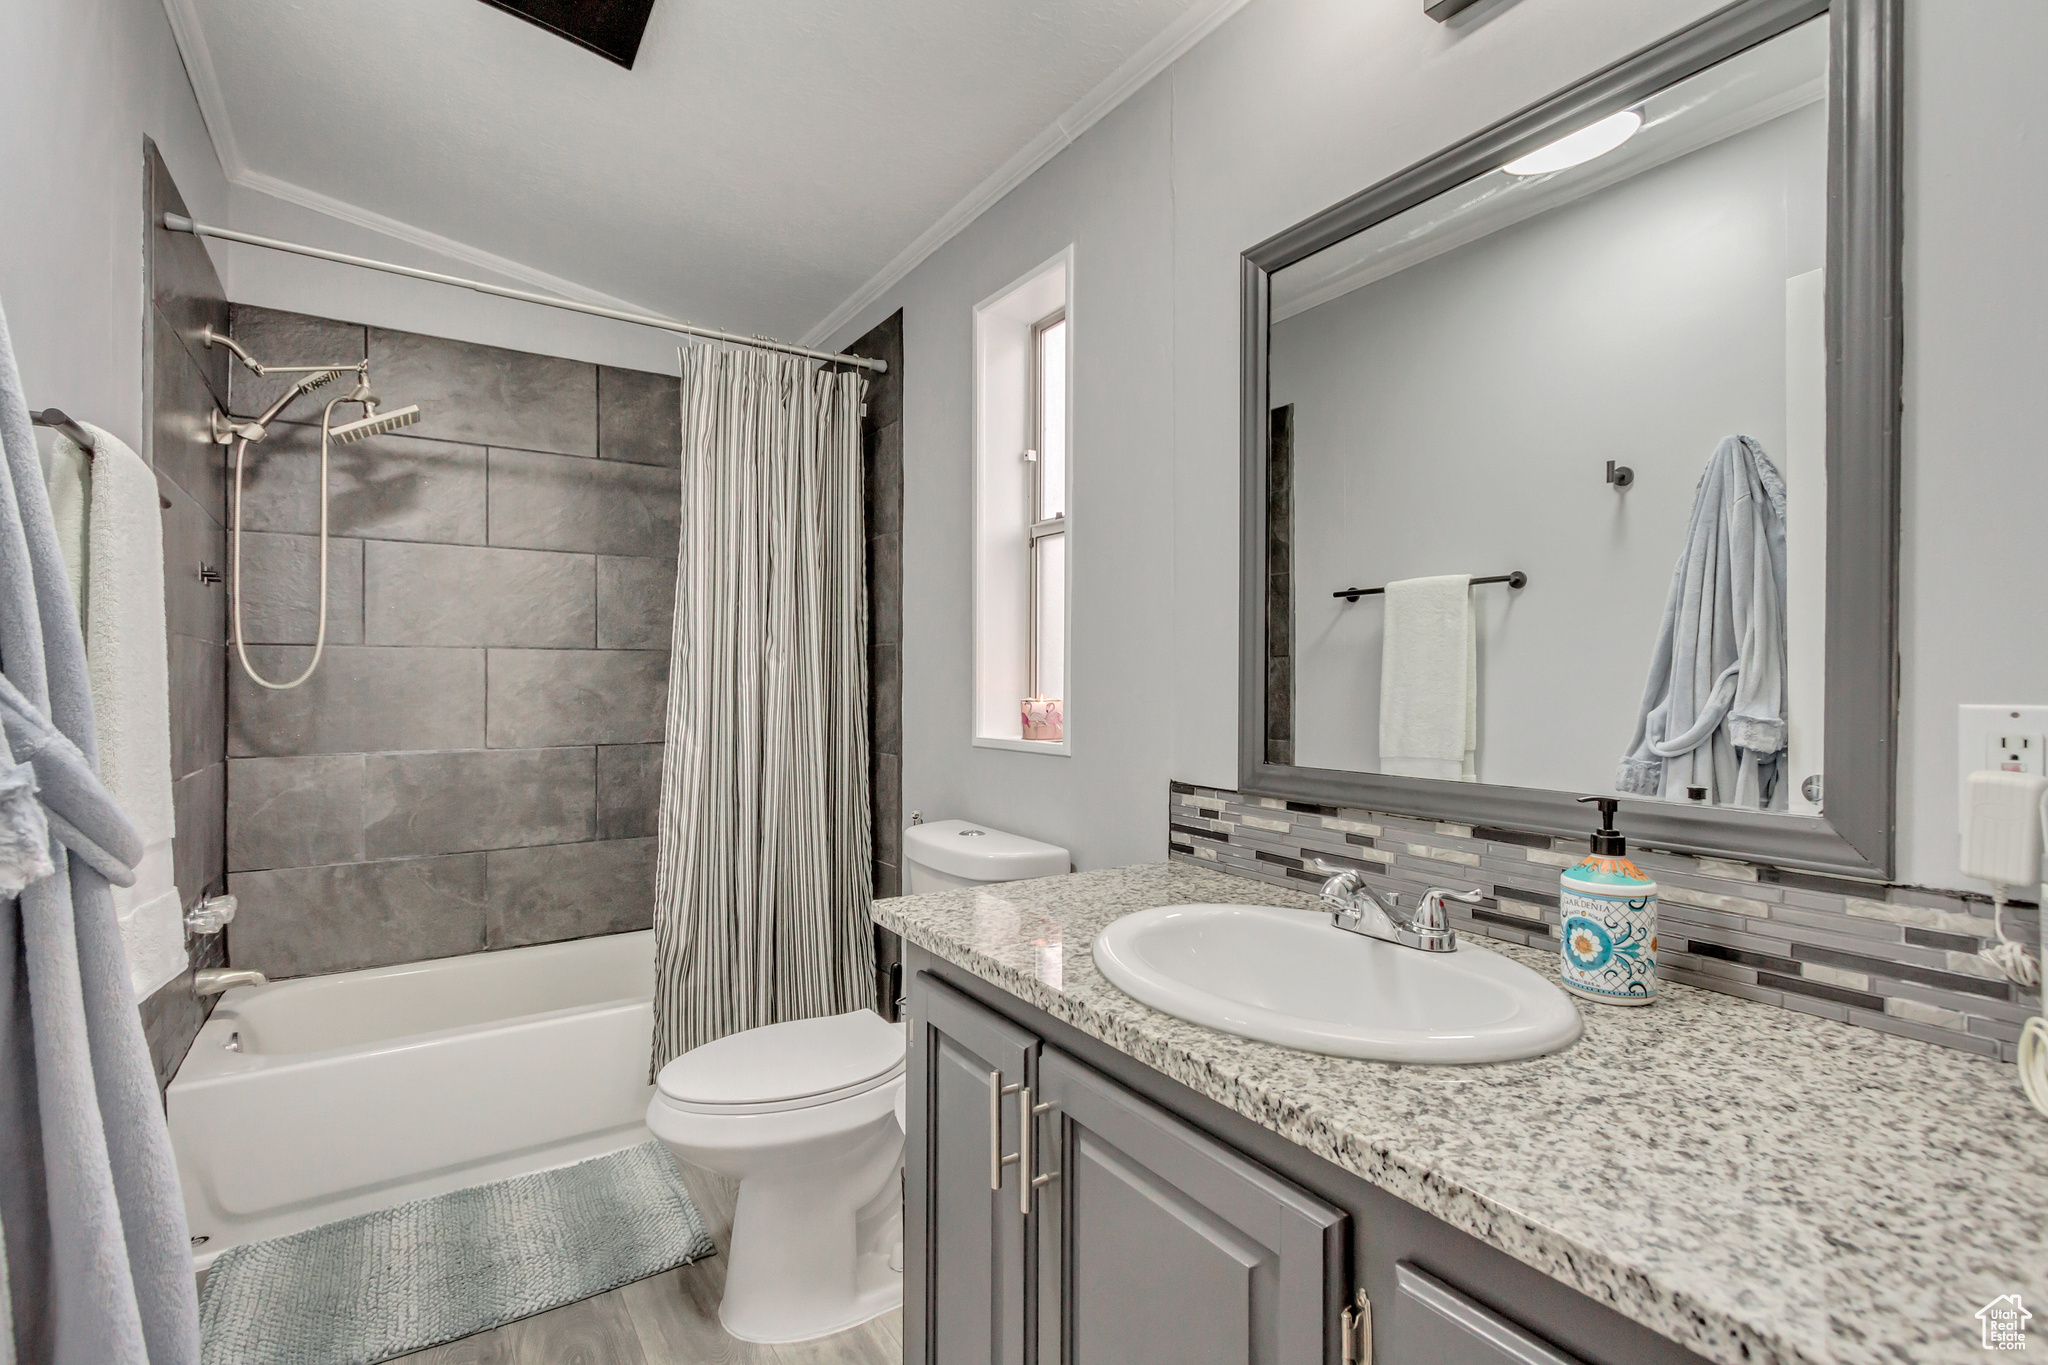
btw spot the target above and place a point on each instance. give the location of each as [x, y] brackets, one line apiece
[213, 108]
[199, 69]
[1172, 42]
[259, 183]
[1196, 23]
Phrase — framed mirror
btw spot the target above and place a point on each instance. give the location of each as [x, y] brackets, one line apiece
[1571, 460]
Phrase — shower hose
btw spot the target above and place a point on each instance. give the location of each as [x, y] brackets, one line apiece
[235, 591]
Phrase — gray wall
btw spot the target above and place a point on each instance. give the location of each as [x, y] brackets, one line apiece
[1456, 417]
[475, 764]
[1285, 109]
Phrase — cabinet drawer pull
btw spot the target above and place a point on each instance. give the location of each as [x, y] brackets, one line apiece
[1030, 1182]
[996, 1159]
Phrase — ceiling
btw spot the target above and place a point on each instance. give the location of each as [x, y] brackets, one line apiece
[766, 166]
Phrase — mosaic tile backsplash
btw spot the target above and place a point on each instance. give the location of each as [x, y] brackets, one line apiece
[1899, 959]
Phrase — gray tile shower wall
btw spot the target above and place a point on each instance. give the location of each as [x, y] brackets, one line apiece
[184, 381]
[1897, 959]
[476, 762]
[882, 462]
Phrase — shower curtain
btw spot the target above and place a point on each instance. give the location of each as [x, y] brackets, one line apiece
[763, 886]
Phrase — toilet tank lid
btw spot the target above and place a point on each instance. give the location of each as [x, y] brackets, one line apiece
[962, 848]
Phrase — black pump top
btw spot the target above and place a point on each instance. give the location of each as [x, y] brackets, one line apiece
[1607, 843]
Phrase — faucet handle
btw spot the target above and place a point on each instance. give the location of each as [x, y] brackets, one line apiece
[1430, 914]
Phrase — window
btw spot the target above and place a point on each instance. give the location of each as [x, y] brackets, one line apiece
[1048, 458]
[1022, 538]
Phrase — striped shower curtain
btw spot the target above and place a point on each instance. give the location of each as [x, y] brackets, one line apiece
[763, 883]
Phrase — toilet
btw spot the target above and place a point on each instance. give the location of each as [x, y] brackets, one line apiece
[808, 1116]
[948, 854]
[803, 1114]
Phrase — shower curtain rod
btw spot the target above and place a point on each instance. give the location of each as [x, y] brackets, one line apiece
[179, 223]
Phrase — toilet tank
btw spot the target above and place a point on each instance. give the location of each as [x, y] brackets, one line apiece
[953, 853]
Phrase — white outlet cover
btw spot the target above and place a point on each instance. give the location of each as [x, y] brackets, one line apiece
[1975, 726]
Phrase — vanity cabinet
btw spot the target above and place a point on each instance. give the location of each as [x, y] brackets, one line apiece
[1144, 1224]
[1054, 1216]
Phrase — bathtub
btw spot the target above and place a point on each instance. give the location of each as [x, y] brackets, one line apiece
[311, 1100]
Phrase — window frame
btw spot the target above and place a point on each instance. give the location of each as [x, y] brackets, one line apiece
[1004, 423]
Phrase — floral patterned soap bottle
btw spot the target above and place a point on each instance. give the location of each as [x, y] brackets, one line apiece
[1609, 914]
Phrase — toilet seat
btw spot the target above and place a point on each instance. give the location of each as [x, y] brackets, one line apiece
[784, 1067]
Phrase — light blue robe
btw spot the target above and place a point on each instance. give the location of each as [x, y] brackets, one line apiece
[1713, 711]
[99, 1265]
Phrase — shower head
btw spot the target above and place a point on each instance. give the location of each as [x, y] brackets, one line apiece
[374, 423]
[299, 389]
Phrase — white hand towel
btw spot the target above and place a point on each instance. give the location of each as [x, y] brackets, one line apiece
[1429, 680]
[69, 479]
[127, 658]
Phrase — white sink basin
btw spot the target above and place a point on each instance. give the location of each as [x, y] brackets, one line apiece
[1289, 978]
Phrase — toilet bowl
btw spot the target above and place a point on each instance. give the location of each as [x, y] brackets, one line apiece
[804, 1115]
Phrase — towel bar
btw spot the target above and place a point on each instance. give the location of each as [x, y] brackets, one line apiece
[1517, 579]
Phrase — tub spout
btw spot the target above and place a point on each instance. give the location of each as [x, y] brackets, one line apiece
[214, 980]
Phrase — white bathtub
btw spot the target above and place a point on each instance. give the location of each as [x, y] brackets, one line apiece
[307, 1101]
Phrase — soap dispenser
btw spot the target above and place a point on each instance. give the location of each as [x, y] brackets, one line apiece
[1608, 914]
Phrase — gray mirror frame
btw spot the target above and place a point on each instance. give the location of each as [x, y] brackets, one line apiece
[1865, 340]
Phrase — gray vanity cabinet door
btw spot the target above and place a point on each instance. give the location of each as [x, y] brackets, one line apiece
[1159, 1246]
[964, 1243]
[1433, 1324]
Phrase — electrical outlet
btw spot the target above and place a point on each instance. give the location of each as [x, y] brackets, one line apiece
[2012, 738]
[2014, 751]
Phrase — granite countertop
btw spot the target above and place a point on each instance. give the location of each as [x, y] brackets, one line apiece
[1759, 1185]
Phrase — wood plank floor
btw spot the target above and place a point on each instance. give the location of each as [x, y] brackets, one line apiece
[669, 1319]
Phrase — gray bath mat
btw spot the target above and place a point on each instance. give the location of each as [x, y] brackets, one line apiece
[382, 1284]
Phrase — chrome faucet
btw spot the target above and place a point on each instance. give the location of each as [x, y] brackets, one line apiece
[1356, 910]
[214, 980]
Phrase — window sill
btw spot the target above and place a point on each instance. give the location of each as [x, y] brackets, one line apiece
[1063, 748]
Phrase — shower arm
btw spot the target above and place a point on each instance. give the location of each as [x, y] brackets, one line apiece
[210, 338]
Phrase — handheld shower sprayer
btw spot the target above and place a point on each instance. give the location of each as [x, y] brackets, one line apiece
[227, 431]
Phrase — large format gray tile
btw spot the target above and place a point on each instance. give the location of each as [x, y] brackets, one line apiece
[487, 394]
[539, 895]
[362, 699]
[474, 595]
[628, 790]
[884, 397]
[885, 775]
[199, 805]
[198, 685]
[639, 416]
[381, 488]
[883, 479]
[545, 697]
[183, 284]
[885, 698]
[180, 434]
[303, 920]
[193, 541]
[295, 812]
[276, 337]
[475, 799]
[553, 502]
[281, 589]
[636, 602]
[885, 588]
